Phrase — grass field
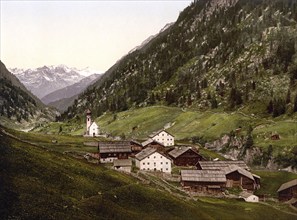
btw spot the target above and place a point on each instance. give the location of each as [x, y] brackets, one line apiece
[41, 184]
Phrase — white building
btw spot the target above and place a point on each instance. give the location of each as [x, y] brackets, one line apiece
[249, 197]
[92, 127]
[151, 160]
[124, 165]
[163, 137]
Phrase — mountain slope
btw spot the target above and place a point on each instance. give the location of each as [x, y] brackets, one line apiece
[17, 103]
[47, 79]
[42, 184]
[218, 54]
[71, 90]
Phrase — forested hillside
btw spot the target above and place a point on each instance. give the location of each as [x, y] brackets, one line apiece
[17, 103]
[218, 54]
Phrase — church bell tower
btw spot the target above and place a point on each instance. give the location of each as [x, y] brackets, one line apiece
[89, 120]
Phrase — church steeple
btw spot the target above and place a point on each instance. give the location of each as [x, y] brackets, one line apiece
[89, 119]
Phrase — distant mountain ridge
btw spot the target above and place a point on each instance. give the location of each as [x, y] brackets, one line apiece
[47, 79]
[226, 54]
[68, 92]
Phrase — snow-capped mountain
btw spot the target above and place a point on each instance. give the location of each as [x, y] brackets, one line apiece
[47, 79]
[71, 90]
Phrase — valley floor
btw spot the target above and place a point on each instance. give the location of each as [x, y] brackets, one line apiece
[39, 181]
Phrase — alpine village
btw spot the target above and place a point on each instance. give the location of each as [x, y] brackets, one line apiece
[199, 122]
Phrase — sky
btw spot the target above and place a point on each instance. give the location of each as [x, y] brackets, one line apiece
[79, 34]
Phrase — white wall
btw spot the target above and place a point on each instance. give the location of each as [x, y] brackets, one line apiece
[164, 138]
[93, 129]
[155, 161]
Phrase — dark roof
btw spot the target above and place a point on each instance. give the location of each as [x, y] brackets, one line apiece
[115, 147]
[287, 185]
[232, 168]
[219, 165]
[122, 163]
[179, 151]
[149, 141]
[145, 153]
[135, 142]
[203, 175]
[158, 132]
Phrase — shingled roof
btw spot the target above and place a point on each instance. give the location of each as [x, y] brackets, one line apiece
[145, 153]
[287, 185]
[158, 132]
[149, 141]
[122, 163]
[203, 176]
[219, 165]
[232, 168]
[179, 151]
[115, 147]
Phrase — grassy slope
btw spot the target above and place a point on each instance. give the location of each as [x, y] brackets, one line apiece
[37, 183]
[271, 181]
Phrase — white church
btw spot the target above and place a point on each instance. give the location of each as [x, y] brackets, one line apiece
[92, 128]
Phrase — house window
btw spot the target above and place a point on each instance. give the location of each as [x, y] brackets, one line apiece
[148, 163]
[162, 134]
[166, 162]
[148, 157]
[154, 163]
[166, 168]
[143, 163]
[161, 157]
[154, 157]
[161, 169]
[161, 162]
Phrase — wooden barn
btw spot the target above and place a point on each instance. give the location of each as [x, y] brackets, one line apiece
[287, 190]
[185, 156]
[154, 144]
[136, 147]
[124, 165]
[211, 181]
[219, 165]
[238, 177]
[110, 151]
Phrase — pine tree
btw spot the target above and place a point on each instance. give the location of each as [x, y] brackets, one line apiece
[288, 97]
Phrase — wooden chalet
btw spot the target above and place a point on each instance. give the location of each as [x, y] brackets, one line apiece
[153, 144]
[238, 177]
[124, 165]
[109, 151]
[219, 165]
[287, 190]
[136, 147]
[185, 156]
[212, 181]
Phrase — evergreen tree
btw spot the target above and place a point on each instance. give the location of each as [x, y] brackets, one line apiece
[288, 97]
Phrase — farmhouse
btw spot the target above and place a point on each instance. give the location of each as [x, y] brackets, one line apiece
[238, 177]
[219, 165]
[163, 137]
[153, 144]
[92, 128]
[152, 160]
[185, 156]
[212, 181]
[109, 151]
[287, 190]
[124, 165]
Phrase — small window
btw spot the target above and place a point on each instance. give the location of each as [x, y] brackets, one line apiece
[166, 168]
[161, 157]
[155, 164]
[143, 163]
[166, 162]
[154, 157]
[161, 169]
[148, 163]
[148, 157]
[161, 162]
